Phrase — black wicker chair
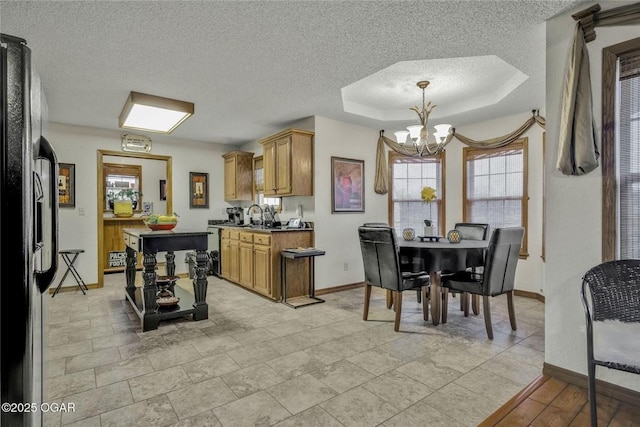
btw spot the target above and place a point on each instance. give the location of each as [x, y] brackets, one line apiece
[382, 268]
[610, 291]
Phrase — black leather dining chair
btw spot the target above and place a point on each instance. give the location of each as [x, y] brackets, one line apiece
[381, 262]
[470, 231]
[405, 265]
[611, 299]
[498, 276]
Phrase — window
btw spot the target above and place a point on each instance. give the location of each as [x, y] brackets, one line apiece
[495, 186]
[621, 151]
[408, 176]
[258, 186]
[121, 182]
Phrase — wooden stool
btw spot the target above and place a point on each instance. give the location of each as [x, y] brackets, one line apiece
[71, 268]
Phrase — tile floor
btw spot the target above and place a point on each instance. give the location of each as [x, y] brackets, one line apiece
[256, 362]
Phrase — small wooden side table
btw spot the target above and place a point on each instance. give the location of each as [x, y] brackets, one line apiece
[310, 253]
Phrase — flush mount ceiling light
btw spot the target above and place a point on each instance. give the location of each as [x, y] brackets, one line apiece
[419, 133]
[154, 113]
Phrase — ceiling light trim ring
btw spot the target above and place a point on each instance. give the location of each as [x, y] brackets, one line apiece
[183, 108]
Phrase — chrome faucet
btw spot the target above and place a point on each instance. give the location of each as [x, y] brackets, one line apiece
[261, 212]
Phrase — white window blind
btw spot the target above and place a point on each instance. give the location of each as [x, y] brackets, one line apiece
[409, 176]
[628, 155]
[495, 186]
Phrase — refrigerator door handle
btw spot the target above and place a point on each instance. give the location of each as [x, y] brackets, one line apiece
[39, 197]
[45, 278]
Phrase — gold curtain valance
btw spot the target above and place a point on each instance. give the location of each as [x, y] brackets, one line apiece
[381, 180]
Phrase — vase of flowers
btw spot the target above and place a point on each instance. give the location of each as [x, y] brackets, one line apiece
[428, 195]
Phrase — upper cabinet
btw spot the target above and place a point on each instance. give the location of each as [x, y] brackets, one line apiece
[288, 163]
[258, 174]
[238, 175]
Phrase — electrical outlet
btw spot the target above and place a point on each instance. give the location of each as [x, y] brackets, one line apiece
[81, 211]
[346, 266]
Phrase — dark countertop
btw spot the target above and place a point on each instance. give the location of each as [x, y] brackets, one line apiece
[259, 229]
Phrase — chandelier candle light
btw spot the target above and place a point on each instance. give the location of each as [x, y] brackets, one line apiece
[419, 134]
[428, 194]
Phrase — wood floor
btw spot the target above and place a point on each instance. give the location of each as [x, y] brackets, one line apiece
[551, 402]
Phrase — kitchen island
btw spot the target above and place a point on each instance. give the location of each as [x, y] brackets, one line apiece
[144, 299]
[250, 258]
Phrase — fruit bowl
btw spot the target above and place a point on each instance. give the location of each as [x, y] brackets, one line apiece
[161, 222]
[161, 226]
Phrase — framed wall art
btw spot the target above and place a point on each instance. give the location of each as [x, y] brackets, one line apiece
[163, 189]
[199, 190]
[67, 185]
[347, 186]
[147, 208]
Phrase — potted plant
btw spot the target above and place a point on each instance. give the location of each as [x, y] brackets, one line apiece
[428, 194]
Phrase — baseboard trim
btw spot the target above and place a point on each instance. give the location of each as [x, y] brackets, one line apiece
[514, 402]
[612, 390]
[324, 291]
[69, 288]
[340, 288]
[529, 294]
[72, 288]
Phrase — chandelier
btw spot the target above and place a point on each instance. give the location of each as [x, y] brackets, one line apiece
[419, 134]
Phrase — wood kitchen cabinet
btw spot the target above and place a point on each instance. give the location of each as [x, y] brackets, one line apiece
[114, 246]
[230, 246]
[252, 259]
[238, 176]
[262, 279]
[246, 259]
[288, 163]
[224, 253]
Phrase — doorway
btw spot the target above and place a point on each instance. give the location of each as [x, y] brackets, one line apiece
[154, 168]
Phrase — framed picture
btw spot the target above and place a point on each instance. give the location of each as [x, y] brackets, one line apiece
[199, 190]
[147, 208]
[347, 186]
[163, 189]
[67, 185]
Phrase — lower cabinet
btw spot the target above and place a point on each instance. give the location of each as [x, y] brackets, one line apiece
[246, 260]
[252, 259]
[112, 242]
[230, 254]
[224, 253]
[234, 260]
[262, 266]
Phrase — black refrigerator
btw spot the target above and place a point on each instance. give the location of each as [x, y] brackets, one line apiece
[28, 234]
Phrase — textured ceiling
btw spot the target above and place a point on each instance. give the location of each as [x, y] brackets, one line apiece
[456, 85]
[252, 68]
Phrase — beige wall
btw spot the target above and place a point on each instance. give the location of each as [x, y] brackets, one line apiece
[79, 145]
[529, 273]
[573, 209]
[335, 233]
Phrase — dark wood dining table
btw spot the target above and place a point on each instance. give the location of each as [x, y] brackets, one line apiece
[436, 257]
